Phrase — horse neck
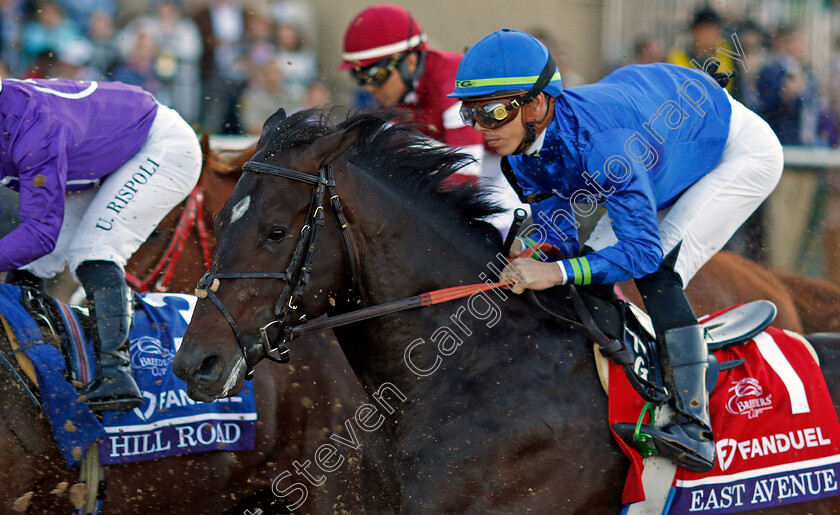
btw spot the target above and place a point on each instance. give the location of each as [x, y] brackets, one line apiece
[407, 251]
[189, 266]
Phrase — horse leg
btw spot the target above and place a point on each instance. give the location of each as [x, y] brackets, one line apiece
[31, 467]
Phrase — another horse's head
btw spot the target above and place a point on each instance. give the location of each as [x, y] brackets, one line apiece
[266, 274]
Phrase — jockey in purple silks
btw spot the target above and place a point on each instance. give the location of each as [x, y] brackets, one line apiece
[98, 165]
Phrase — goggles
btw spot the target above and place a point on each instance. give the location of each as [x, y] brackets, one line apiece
[377, 73]
[490, 114]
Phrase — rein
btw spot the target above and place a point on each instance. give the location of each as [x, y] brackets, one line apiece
[297, 274]
[418, 301]
[190, 217]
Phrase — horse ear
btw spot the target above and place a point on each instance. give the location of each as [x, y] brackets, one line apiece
[329, 148]
[270, 125]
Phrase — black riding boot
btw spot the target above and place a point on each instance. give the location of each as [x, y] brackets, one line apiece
[688, 441]
[24, 278]
[114, 387]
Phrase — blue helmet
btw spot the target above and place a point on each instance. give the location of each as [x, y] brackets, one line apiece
[506, 61]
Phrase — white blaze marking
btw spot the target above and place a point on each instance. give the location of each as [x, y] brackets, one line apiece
[240, 208]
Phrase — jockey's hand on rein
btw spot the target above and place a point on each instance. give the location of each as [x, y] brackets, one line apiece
[527, 273]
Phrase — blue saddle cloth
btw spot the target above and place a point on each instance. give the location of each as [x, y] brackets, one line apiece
[167, 424]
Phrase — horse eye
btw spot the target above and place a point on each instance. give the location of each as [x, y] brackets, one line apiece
[276, 234]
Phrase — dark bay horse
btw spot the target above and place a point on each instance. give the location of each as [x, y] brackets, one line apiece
[297, 407]
[725, 280]
[805, 305]
[483, 405]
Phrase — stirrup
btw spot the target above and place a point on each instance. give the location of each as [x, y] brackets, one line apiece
[651, 441]
[116, 400]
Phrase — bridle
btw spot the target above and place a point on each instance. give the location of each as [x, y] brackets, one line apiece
[296, 276]
[192, 215]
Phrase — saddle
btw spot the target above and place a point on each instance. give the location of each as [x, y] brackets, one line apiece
[54, 336]
[627, 337]
[47, 316]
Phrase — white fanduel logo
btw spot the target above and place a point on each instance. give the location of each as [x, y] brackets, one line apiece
[778, 443]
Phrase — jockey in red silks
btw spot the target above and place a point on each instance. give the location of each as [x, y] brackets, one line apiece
[385, 51]
[98, 165]
[678, 165]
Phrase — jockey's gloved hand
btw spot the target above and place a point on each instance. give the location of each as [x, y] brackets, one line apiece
[719, 76]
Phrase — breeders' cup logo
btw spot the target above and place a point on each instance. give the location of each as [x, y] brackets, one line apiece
[747, 398]
[147, 353]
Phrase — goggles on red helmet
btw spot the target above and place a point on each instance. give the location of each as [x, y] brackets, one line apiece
[377, 73]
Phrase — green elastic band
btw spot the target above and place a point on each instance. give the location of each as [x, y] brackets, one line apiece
[576, 270]
[501, 81]
[587, 273]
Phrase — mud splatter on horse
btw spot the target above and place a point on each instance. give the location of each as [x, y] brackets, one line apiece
[488, 405]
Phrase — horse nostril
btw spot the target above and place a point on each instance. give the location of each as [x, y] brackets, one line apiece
[209, 371]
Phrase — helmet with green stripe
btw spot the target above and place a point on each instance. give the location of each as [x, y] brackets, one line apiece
[506, 62]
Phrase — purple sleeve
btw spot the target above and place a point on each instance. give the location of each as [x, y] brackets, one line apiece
[41, 160]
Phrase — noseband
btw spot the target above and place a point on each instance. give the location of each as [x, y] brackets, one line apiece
[297, 273]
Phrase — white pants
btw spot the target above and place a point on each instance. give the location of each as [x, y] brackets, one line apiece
[109, 223]
[709, 212]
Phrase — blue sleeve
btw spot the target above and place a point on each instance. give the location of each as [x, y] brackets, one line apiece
[553, 220]
[631, 206]
[554, 223]
[41, 161]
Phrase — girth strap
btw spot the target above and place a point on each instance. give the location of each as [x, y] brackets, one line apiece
[612, 349]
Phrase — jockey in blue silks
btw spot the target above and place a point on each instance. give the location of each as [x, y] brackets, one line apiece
[677, 163]
[98, 165]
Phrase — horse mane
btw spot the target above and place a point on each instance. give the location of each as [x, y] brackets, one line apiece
[390, 148]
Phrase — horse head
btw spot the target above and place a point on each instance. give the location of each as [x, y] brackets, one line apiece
[263, 277]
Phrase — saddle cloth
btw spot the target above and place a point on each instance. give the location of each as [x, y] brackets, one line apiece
[776, 430]
[167, 424]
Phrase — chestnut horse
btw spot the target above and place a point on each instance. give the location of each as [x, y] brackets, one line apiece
[298, 406]
[504, 414]
[729, 279]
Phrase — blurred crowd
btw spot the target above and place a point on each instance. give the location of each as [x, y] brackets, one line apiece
[798, 228]
[225, 65]
[778, 81]
[247, 58]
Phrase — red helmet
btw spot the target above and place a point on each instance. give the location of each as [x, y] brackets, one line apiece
[380, 31]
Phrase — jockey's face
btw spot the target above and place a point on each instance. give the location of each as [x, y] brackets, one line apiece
[504, 140]
[390, 92]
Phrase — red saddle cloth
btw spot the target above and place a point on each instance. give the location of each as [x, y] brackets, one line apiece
[776, 432]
